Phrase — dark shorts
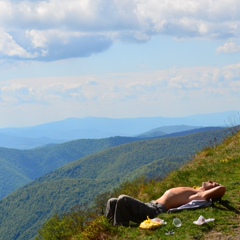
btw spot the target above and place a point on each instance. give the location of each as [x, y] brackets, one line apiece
[158, 206]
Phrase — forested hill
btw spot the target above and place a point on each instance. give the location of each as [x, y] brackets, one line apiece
[19, 167]
[80, 182]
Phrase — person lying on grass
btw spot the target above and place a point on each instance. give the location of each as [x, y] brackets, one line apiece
[124, 209]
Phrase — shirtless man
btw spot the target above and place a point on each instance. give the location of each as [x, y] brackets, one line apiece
[124, 209]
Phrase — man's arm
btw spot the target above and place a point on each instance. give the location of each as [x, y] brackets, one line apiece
[214, 193]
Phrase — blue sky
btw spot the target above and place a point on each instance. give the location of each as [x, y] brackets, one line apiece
[117, 59]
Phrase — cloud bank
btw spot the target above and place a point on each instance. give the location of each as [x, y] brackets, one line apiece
[170, 92]
[201, 81]
[58, 29]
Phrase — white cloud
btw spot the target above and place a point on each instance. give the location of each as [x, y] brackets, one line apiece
[10, 48]
[129, 87]
[229, 47]
[175, 92]
[50, 30]
[58, 44]
[38, 38]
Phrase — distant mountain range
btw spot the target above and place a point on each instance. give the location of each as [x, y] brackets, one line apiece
[96, 128]
[107, 163]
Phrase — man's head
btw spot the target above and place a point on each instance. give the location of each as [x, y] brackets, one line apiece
[213, 190]
[209, 185]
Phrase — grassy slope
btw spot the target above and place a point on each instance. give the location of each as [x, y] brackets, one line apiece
[221, 164]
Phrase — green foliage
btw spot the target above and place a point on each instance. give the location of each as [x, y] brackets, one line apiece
[99, 229]
[19, 167]
[23, 213]
[63, 227]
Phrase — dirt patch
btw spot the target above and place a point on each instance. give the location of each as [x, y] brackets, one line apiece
[235, 235]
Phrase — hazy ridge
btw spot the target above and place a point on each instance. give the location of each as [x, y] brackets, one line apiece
[96, 128]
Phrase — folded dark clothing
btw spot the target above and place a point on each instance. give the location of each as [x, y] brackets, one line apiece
[194, 204]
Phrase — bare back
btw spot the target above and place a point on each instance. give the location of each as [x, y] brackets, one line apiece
[176, 197]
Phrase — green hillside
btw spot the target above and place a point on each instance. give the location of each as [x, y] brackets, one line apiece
[161, 131]
[80, 182]
[19, 167]
[10, 174]
[220, 163]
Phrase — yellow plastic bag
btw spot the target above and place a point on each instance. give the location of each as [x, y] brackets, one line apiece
[151, 224]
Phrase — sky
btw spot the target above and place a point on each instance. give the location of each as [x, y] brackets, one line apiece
[119, 59]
